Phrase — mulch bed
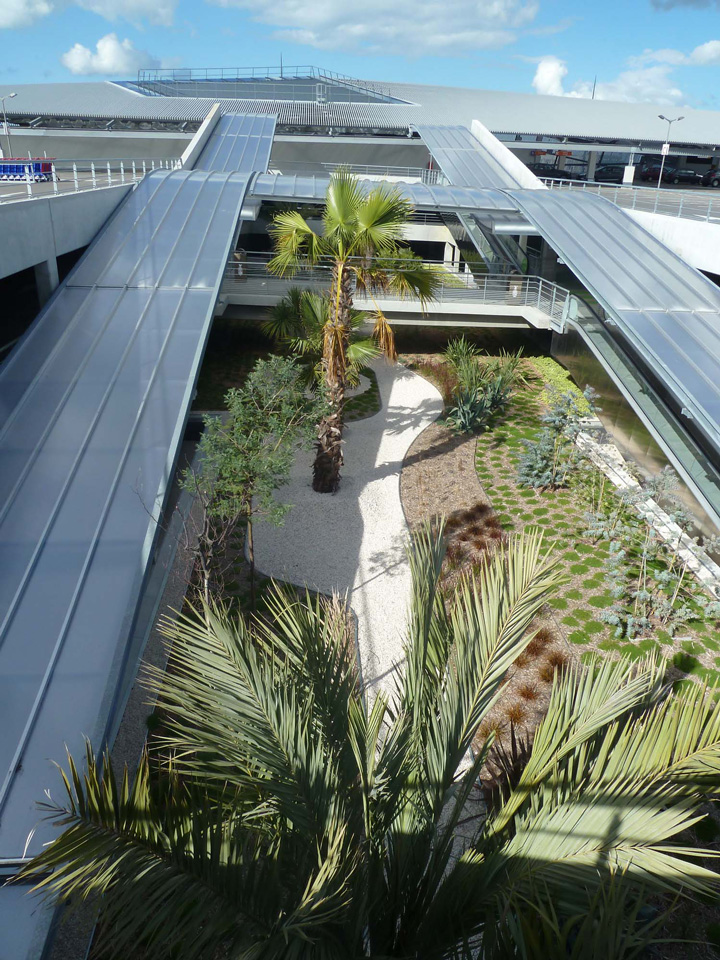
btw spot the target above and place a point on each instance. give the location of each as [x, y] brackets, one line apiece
[439, 479]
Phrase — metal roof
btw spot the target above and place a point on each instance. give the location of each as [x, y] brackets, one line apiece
[500, 111]
[95, 399]
[424, 196]
[238, 143]
[463, 160]
[668, 311]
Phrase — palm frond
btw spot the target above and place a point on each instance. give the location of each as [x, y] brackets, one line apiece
[176, 870]
[384, 336]
[283, 321]
[296, 243]
[236, 711]
[344, 199]
[361, 352]
[381, 221]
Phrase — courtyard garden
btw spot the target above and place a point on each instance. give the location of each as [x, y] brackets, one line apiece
[625, 592]
[452, 771]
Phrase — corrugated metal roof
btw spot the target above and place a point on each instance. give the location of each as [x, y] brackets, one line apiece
[96, 397]
[238, 143]
[423, 196]
[500, 111]
[463, 160]
[668, 311]
[506, 112]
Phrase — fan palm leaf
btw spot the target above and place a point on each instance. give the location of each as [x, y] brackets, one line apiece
[359, 224]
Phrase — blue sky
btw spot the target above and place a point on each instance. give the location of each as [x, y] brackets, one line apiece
[663, 51]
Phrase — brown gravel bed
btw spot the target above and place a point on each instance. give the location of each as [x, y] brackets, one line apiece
[439, 478]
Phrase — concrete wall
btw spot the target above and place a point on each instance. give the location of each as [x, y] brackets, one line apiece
[400, 153]
[33, 231]
[97, 144]
[696, 241]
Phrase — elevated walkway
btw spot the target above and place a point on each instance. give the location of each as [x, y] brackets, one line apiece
[667, 311]
[464, 299]
[238, 143]
[94, 402]
[660, 311]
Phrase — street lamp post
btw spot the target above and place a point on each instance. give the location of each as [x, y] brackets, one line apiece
[666, 145]
[7, 128]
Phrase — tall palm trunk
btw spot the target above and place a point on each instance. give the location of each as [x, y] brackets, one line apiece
[328, 456]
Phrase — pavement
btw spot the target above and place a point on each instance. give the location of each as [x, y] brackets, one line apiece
[354, 542]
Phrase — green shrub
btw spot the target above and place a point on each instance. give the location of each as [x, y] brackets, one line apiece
[459, 350]
[559, 381]
[471, 412]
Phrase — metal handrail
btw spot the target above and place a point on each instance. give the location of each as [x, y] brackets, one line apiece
[688, 204]
[298, 167]
[75, 176]
[147, 77]
[251, 276]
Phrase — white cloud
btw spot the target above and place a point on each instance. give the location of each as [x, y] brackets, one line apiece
[21, 13]
[648, 78]
[640, 84]
[412, 27]
[706, 53]
[549, 76]
[111, 57]
[135, 11]
[702, 56]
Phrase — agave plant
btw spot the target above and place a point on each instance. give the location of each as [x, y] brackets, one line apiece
[297, 322]
[283, 816]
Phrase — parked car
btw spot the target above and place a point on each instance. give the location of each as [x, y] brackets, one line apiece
[648, 170]
[547, 172]
[681, 175]
[610, 173]
[711, 178]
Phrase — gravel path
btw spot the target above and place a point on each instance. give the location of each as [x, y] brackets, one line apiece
[354, 542]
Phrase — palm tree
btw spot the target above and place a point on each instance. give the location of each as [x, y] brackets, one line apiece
[298, 322]
[281, 817]
[361, 243]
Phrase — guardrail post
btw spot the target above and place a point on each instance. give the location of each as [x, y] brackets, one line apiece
[54, 178]
[657, 196]
[28, 178]
[75, 176]
[143, 168]
[122, 172]
[92, 171]
[109, 175]
[134, 175]
[153, 164]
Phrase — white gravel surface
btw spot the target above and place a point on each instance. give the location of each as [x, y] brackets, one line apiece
[354, 541]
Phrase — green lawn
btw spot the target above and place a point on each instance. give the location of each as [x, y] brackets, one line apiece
[563, 516]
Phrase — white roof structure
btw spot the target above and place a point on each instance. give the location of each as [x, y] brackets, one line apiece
[514, 114]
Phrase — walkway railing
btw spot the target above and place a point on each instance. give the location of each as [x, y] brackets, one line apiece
[251, 278]
[368, 170]
[73, 176]
[690, 204]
